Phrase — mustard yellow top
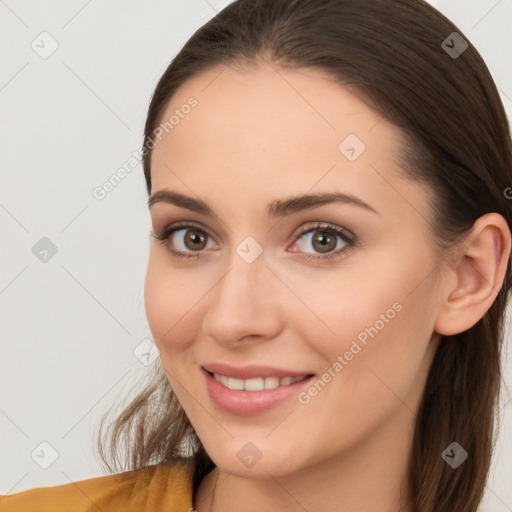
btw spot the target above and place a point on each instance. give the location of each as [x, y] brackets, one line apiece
[157, 488]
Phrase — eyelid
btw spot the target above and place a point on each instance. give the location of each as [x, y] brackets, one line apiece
[170, 228]
[319, 225]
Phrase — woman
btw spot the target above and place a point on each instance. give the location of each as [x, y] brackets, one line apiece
[329, 191]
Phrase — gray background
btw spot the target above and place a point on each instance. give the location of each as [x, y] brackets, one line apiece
[73, 326]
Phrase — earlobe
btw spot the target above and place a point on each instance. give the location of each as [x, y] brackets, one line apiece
[478, 273]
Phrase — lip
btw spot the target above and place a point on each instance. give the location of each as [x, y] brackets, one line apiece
[251, 403]
[251, 371]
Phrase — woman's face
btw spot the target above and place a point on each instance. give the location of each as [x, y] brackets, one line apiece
[345, 292]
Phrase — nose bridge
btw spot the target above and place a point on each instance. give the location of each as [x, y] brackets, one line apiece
[242, 284]
[240, 303]
[246, 267]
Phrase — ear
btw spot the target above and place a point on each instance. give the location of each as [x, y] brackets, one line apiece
[475, 277]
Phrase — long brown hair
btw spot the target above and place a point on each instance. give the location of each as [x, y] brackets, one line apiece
[395, 54]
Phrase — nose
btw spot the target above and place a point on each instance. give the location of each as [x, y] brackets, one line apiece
[244, 304]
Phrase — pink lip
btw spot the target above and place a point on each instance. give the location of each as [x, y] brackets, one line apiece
[250, 403]
[251, 371]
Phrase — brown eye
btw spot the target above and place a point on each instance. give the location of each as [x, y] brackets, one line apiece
[185, 240]
[326, 241]
[323, 241]
[193, 239]
[188, 239]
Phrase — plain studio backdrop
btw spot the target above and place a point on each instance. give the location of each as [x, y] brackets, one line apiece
[75, 85]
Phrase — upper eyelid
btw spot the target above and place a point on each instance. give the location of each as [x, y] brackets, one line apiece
[179, 225]
[302, 230]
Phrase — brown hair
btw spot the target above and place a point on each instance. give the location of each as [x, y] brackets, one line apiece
[456, 141]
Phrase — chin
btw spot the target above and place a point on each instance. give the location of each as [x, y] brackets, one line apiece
[253, 460]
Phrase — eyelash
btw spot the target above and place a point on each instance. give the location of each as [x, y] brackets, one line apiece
[348, 240]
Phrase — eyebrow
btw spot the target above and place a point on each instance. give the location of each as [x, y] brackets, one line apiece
[278, 208]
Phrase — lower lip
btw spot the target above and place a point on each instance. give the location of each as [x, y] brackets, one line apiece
[249, 403]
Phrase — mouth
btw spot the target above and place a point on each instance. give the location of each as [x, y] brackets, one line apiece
[257, 383]
[254, 394]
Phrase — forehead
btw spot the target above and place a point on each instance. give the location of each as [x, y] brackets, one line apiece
[275, 132]
[254, 104]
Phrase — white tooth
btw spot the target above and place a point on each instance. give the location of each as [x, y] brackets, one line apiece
[271, 382]
[256, 384]
[236, 384]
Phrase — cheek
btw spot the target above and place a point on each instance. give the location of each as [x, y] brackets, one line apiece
[355, 306]
[366, 381]
[373, 321]
[170, 306]
[385, 356]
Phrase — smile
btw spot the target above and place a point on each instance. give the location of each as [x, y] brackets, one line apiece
[256, 384]
[246, 392]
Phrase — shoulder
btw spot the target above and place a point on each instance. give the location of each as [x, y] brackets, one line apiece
[154, 488]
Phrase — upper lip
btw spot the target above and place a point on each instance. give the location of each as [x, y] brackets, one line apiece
[250, 371]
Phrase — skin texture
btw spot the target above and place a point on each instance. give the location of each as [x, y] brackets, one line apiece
[259, 134]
